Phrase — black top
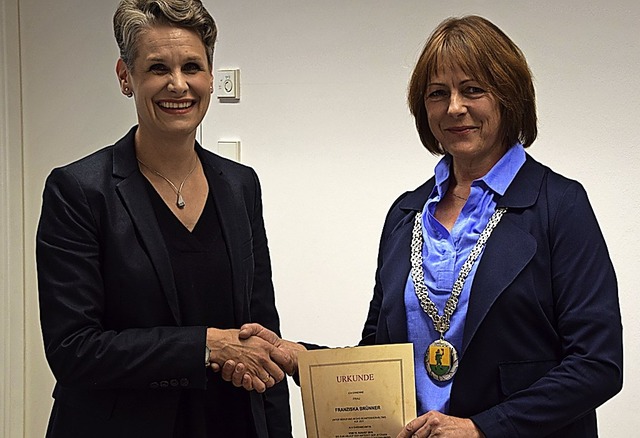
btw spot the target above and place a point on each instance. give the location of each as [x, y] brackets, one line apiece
[202, 273]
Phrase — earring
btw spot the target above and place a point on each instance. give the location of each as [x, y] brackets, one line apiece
[127, 92]
[211, 89]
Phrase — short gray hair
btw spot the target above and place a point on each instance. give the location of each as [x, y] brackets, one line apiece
[133, 17]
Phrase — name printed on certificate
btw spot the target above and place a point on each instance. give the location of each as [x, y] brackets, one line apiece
[357, 392]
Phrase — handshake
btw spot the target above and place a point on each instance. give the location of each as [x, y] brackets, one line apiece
[253, 357]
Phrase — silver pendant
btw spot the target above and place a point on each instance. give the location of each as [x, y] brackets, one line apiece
[441, 360]
[180, 202]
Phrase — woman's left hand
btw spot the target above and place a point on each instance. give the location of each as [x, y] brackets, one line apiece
[436, 424]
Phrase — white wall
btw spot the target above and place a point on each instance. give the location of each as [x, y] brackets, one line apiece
[323, 120]
[11, 228]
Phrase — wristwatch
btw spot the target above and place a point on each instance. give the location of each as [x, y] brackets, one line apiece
[207, 356]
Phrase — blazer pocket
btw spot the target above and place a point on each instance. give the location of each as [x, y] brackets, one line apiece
[96, 404]
[516, 376]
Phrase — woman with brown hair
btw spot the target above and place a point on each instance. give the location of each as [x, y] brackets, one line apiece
[495, 269]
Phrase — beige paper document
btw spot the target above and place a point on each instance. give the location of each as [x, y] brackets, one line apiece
[358, 392]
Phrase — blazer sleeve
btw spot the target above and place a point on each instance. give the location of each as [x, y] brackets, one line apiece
[588, 325]
[83, 353]
[370, 330]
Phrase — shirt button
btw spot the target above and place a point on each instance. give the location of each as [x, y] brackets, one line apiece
[184, 382]
[154, 385]
[174, 382]
[164, 384]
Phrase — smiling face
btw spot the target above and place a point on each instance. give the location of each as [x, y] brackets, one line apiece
[170, 79]
[465, 118]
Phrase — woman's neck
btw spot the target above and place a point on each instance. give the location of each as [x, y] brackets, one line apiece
[170, 155]
[465, 171]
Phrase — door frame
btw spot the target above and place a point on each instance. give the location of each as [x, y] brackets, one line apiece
[12, 321]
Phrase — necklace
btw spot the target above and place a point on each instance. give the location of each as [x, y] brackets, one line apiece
[441, 357]
[178, 190]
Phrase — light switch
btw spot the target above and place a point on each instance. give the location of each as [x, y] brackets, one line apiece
[228, 84]
[229, 149]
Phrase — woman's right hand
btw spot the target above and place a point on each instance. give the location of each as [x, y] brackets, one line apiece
[284, 353]
[262, 361]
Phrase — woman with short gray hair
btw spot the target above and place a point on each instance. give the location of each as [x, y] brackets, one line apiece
[152, 253]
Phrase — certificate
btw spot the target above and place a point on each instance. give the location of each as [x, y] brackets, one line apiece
[357, 392]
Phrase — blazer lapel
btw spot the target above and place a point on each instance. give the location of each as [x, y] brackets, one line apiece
[507, 251]
[502, 260]
[398, 263]
[136, 201]
[228, 212]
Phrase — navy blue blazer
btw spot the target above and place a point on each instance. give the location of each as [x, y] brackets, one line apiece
[542, 345]
[108, 303]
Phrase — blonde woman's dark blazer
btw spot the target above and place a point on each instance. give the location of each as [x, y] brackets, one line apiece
[109, 309]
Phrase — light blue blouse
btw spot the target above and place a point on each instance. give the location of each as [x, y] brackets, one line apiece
[444, 254]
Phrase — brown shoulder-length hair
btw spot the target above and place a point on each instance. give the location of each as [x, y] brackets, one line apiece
[483, 51]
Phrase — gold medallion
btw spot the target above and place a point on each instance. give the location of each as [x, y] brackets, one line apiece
[441, 360]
